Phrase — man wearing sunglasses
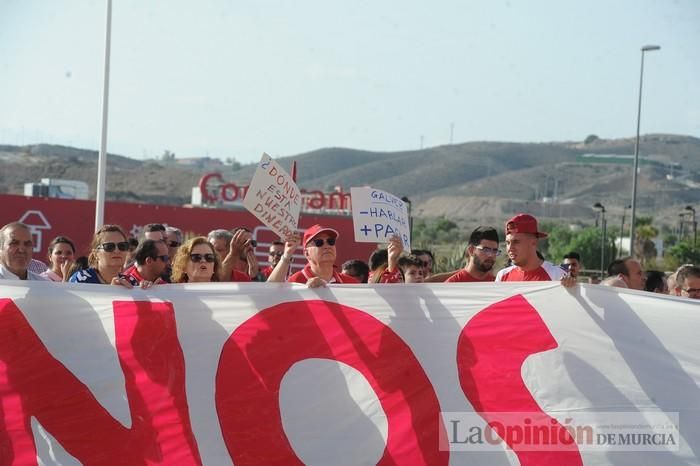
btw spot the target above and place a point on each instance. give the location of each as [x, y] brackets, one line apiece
[481, 256]
[240, 262]
[319, 244]
[688, 282]
[151, 260]
[274, 255]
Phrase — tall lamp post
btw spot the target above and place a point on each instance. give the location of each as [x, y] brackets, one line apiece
[691, 209]
[622, 228]
[646, 48]
[603, 227]
[410, 217]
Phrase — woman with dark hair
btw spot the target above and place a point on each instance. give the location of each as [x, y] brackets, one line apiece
[196, 261]
[108, 251]
[61, 253]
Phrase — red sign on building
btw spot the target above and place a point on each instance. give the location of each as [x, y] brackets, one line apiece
[49, 217]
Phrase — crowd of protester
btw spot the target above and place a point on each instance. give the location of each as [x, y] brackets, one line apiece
[162, 255]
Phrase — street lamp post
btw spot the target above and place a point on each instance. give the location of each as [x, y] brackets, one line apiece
[622, 228]
[603, 227]
[681, 223]
[646, 48]
[691, 209]
[410, 217]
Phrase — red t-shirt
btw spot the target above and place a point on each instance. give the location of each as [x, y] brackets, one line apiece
[388, 276]
[238, 276]
[544, 273]
[135, 278]
[464, 276]
[305, 274]
[267, 270]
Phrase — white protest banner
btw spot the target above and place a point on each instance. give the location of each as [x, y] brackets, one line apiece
[378, 215]
[490, 374]
[274, 198]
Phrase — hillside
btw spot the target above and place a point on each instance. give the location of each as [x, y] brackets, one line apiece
[475, 181]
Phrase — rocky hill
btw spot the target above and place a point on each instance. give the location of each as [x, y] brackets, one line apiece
[475, 181]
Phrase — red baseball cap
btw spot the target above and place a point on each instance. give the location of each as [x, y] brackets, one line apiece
[314, 230]
[524, 223]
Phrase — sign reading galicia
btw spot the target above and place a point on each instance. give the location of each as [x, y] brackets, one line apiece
[213, 190]
[378, 215]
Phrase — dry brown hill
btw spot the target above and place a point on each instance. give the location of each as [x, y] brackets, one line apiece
[476, 181]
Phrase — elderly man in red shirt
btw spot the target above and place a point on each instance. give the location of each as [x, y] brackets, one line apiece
[319, 245]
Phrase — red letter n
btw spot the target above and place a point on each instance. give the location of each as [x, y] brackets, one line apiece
[35, 384]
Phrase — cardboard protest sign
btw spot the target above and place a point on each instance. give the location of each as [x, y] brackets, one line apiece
[378, 215]
[274, 198]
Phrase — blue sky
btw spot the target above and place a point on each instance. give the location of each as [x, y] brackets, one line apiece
[234, 79]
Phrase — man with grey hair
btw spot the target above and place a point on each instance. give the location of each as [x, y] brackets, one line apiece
[688, 282]
[221, 240]
[16, 252]
[173, 239]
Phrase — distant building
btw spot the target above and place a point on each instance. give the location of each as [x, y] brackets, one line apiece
[62, 189]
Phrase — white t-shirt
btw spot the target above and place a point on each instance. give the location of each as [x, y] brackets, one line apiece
[7, 275]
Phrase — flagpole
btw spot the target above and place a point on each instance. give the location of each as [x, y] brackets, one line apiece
[102, 159]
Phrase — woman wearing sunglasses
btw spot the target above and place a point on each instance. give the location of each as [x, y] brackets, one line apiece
[108, 251]
[196, 261]
[61, 256]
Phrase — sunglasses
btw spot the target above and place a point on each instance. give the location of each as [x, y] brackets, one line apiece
[165, 258]
[173, 244]
[276, 254]
[487, 250]
[253, 243]
[198, 257]
[110, 247]
[318, 242]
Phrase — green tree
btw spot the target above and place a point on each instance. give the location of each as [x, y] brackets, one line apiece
[429, 233]
[557, 244]
[168, 156]
[586, 242]
[682, 252]
[590, 139]
[644, 247]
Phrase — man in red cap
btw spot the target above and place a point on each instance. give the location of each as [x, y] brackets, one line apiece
[521, 244]
[319, 249]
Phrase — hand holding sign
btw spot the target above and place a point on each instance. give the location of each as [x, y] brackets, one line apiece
[291, 243]
[394, 251]
[377, 216]
[274, 198]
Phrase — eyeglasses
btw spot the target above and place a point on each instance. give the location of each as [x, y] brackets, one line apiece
[198, 257]
[487, 250]
[165, 258]
[318, 242]
[173, 244]
[110, 247]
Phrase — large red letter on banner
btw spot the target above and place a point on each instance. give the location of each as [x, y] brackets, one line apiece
[34, 383]
[490, 353]
[259, 353]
